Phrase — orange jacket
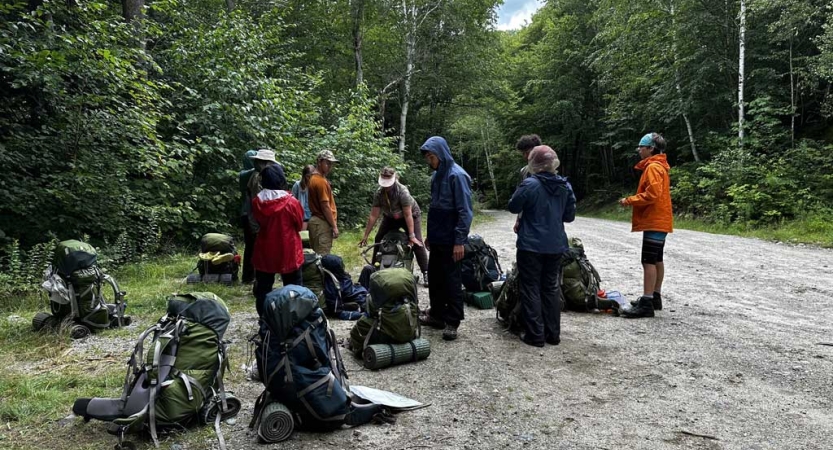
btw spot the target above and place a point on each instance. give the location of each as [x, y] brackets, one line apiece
[652, 202]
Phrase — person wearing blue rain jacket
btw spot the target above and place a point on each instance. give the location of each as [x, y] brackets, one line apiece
[449, 221]
[544, 201]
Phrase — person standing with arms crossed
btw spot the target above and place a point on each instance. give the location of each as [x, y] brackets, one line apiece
[323, 225]
[449, 221]
[652, 214]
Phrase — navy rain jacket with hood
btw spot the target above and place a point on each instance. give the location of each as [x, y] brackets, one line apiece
[450, 214]
[546, 201]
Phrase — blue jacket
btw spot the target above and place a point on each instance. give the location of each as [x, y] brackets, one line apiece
[450, 214]
[546, 201]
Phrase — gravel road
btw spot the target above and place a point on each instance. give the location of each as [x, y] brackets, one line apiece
[732, 362]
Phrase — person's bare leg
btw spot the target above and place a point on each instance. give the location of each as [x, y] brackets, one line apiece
[649, 279]
[660, 275]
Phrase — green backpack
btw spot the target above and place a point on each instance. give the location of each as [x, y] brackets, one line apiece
[79, 291]
[393, 311]
[175, 373]
[580, 280]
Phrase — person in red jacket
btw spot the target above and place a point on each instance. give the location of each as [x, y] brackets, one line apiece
[280, 218]
[652, 214]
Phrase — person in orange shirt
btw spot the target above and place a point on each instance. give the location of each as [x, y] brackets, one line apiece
[323, 225]
[653, 216]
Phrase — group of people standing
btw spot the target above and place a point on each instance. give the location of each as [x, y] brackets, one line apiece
[273, 217]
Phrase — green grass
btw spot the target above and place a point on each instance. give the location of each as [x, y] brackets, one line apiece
[815, 229]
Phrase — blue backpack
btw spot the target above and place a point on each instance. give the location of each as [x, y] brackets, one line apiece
[480, 265]
[300, 364]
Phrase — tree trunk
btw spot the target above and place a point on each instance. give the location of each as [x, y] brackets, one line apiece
[132, 9]
[410, 53]
[489, 163]
[357, 10]
[792, 96]
[741, 64]
[683, 108]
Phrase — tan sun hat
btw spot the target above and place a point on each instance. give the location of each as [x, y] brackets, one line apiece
[265, 155]
[387, 177]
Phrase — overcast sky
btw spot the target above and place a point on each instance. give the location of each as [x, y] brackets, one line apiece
[513, 14]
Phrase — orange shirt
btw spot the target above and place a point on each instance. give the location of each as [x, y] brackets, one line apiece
[652, 202]
[319, 191]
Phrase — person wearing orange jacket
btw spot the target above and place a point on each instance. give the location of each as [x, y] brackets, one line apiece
[652, 215]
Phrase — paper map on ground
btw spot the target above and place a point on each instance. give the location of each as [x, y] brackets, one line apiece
[386, 398]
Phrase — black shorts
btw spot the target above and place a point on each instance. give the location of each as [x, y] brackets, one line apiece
[653, 244]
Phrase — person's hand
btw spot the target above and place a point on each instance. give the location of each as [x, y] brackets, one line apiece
[335, 232]
[363, 242]
[459, 252]
[414, 241]
[517, 226]
[623, 202]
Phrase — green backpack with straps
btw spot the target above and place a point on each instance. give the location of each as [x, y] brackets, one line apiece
[175, 373]
[393, 311]
[580, 280]
[80, 291]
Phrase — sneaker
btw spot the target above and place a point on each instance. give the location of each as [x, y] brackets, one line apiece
[450, 333]
[425, 279]
[427, 321]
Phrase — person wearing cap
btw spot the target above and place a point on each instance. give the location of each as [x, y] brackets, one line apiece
[544, 201]
[652, 215]
[280, 217]
[525, 145]
[323, 225]
[261, 159]
[243, 179]
[399, 211]
[449, 221]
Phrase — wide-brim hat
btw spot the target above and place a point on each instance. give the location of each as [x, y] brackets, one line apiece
[265, 155]
[387, 178]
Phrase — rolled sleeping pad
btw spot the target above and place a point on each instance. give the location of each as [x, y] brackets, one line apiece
[379, 356]
[276, 423]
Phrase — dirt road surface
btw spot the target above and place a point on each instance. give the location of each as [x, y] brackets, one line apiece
[732, 362]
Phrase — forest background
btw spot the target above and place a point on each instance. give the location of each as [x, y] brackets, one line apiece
[125, 122]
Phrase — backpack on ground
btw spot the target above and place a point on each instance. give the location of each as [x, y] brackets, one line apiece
[300, 365]
[508, 302]
[394, 250]
[218, 261]
[342, 298]
[175, 373]
[393, 311]
[332, 285]
[580, 281]
[480, 265]
[79, 291]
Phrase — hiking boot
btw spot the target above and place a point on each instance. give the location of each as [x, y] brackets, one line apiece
[427, 321]
[553, 341]
[644, 308]
[656, 301]
[425, 279]
[450, 333]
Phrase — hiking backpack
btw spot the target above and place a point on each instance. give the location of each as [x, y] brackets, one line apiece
[300, 365]
[394, 250]
[480, 265]
[175, 373]
[79, 291]
[332, 285]
[218, 259]
[508, 302]
[393, 311]
[579, 280]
